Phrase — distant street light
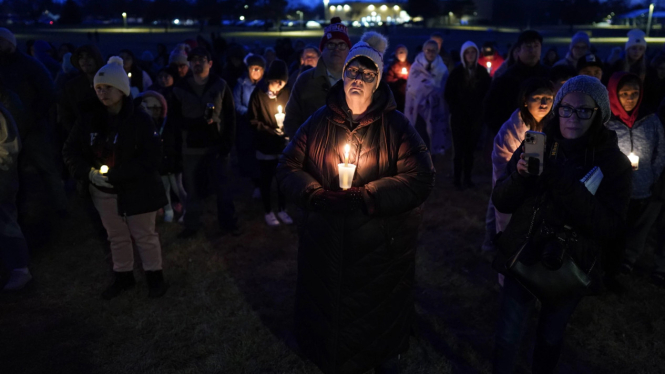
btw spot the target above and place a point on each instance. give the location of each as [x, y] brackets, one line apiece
[302, 24]
[325, 9]
[651, 6]
[124, 19]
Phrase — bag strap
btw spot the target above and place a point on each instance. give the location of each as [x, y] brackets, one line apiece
[512, 261]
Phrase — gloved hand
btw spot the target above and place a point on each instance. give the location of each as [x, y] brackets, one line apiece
[338, 201]
[98, 179]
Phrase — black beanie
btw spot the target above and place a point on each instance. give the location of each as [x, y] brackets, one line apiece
[529, 36]
[278, 71]
[255, 60]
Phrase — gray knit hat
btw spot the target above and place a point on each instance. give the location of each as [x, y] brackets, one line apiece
[590, 86]
[371, 45]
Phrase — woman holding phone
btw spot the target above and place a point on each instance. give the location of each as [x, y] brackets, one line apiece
[554, 207]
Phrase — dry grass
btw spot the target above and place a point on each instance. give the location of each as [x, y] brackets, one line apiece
[229, 308]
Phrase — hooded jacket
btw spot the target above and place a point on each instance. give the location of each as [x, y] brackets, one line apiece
[497, 61]
[465, 89]
[137, 155]
[645, 138]
[506, 142]
[261, 114]
[424, 97]
[354, 303]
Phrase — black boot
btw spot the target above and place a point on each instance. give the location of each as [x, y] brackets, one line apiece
[124, 280]
[156, 285]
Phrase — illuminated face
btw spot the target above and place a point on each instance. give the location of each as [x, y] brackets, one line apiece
[573, 127]
[255, 73]
[309, 57]
[629, 95]
[355, 86]
[108, 95]
[539, 104]
[152, 106]
[430, 50]
[401, 54]
[275, 85]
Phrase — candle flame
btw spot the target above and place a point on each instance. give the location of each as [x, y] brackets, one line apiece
[279, 109]
[347, 149]
[129, 75]
[404, 71]
[104, 169]
[489, 64]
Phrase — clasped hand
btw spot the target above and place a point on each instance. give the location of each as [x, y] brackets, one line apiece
[339, 201]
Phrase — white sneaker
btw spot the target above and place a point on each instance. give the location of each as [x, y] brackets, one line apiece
[168, 215]
[18, 279]
[256, 194]
[182, 217]
[271, 220]
[284, 217]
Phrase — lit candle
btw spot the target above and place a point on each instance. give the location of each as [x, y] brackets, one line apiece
[346, 170]
[279, 117]
[489, 67]
[104, 169]
[404, 71]
[129, 75]
[634, 160]
[347, 149]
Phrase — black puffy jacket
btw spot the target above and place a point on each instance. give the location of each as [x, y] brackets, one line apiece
[137, 156]
[354, 307]
[561, 199]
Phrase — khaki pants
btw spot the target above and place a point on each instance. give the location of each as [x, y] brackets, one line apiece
[140, 227]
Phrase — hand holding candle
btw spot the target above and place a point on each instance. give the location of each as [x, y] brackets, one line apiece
[634, 160]
[346, 170]
[279, 117]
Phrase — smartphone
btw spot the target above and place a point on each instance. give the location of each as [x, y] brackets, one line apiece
[534, 151]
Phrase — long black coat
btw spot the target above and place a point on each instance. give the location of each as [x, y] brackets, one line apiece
[599, 219]
[137, 156]
[354, 306]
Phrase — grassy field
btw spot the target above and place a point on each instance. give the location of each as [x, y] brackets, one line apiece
[229, 308]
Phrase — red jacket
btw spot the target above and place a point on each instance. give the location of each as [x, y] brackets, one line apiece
[496, 61]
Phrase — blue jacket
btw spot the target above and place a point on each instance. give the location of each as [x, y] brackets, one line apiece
[241, 94]
[648, 144]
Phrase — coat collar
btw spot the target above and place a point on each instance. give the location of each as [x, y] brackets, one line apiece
[382, 101]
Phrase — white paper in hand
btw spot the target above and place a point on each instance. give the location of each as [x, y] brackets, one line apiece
[592, 179]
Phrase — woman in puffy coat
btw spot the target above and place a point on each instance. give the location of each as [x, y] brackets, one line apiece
[116, 133]
[641, 134]
[466, 87]
[356, 259]
[556, 210]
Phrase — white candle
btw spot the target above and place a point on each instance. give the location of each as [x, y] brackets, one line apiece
[634, 160]
[279, 117]
[489, 67]
[104, 169]
[346, 170]
[404, 71]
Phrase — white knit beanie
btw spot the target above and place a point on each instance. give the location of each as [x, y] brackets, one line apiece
[8, 35]
[372, 45]
[114, 75]
[636, 37]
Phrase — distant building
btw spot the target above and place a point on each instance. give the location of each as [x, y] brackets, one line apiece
[367, 13]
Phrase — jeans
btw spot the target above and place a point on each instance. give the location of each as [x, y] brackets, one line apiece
[13, 247]
[268, 170]
[203, 174]
[516, 307]
[465, 139]
[174, 182]
[490, 227]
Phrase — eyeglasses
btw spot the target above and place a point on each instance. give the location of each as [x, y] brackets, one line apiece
[367, 76]
[582, 113]
[255, 69]
[339, 46]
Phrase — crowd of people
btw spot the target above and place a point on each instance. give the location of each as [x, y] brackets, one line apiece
[155, 134]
